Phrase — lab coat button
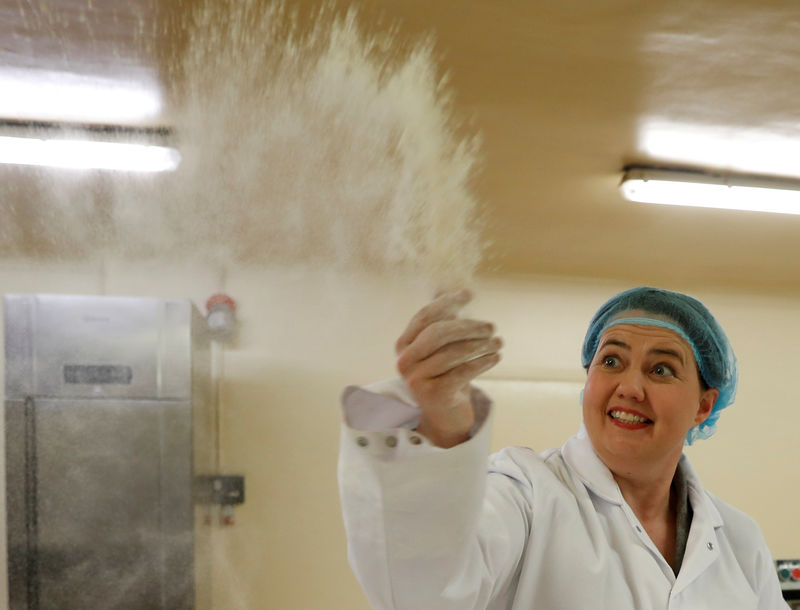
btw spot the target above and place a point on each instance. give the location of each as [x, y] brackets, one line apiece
[710, 546]
[362, 441]
[415, 440]
[391, 441]
[638, 529]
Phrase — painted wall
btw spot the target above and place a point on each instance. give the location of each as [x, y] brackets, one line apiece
[304, 335]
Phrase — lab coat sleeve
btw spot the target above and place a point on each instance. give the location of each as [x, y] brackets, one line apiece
[748, 543]
[770, 596]
[427, 528]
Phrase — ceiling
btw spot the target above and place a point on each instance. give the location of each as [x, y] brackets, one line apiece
[564, 94]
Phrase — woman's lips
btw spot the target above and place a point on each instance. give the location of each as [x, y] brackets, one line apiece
[628, 418]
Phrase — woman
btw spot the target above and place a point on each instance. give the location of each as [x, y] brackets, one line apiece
[615, 519]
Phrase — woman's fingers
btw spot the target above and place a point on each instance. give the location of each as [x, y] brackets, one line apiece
[437, 391]
[437, 342]
[465, 373]
[439, 355]
[451, 355]
[440, 335]
[458, 354]
[443, 307]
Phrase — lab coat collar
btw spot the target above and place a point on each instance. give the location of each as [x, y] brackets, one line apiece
[699, 499]
[581, 458]
[702, 547]
[579, 454]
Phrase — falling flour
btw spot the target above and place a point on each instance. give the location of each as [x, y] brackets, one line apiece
[302, 142]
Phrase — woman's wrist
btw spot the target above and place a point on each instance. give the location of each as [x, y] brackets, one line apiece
[448, 431]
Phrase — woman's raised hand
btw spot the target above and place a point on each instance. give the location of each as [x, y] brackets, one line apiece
[439, 354]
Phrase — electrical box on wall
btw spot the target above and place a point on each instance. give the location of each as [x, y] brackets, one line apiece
[219, 489]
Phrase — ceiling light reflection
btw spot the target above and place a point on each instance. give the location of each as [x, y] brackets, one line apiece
[746, 150]
[87, 154]
[44, 95]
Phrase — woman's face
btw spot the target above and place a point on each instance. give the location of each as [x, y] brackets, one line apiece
[642, 396]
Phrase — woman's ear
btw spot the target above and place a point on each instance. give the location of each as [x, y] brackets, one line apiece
[707, 401]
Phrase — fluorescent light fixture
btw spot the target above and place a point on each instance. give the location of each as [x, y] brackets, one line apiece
[88, 154]
[45, 95]
[707, 190]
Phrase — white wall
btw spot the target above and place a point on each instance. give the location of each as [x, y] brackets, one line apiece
[304, 335]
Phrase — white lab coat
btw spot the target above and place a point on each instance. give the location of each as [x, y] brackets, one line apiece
[428, 529]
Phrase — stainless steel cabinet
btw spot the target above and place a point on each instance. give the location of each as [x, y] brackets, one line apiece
[102, 396]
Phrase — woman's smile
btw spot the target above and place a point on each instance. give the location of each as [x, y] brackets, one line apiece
[628, 418]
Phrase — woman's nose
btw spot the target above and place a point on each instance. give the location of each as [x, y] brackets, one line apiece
[631, 385]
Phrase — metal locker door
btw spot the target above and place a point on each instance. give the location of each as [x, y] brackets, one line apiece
[108, 519]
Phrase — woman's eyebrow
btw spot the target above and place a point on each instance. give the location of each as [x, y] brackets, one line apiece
[668, 352]
[614, 342]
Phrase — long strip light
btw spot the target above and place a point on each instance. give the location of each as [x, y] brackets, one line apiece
[88, 154]
[707, 190]
[47, 95]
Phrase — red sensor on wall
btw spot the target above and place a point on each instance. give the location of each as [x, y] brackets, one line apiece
[221, 317]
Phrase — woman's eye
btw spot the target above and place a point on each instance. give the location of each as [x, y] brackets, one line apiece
[663, 370]
[610, 361]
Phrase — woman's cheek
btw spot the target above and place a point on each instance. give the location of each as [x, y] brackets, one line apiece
[592, 392]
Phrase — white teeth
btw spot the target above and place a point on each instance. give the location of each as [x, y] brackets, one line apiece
[628, 418]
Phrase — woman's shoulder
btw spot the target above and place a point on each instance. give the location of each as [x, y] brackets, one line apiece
[748, 545]
[528, 466]
[739, 527]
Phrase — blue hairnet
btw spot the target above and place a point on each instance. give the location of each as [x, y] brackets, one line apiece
[690, 319]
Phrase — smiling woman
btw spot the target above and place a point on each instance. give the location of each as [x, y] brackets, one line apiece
[643, 378]
[689, 320]
[618, 509]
